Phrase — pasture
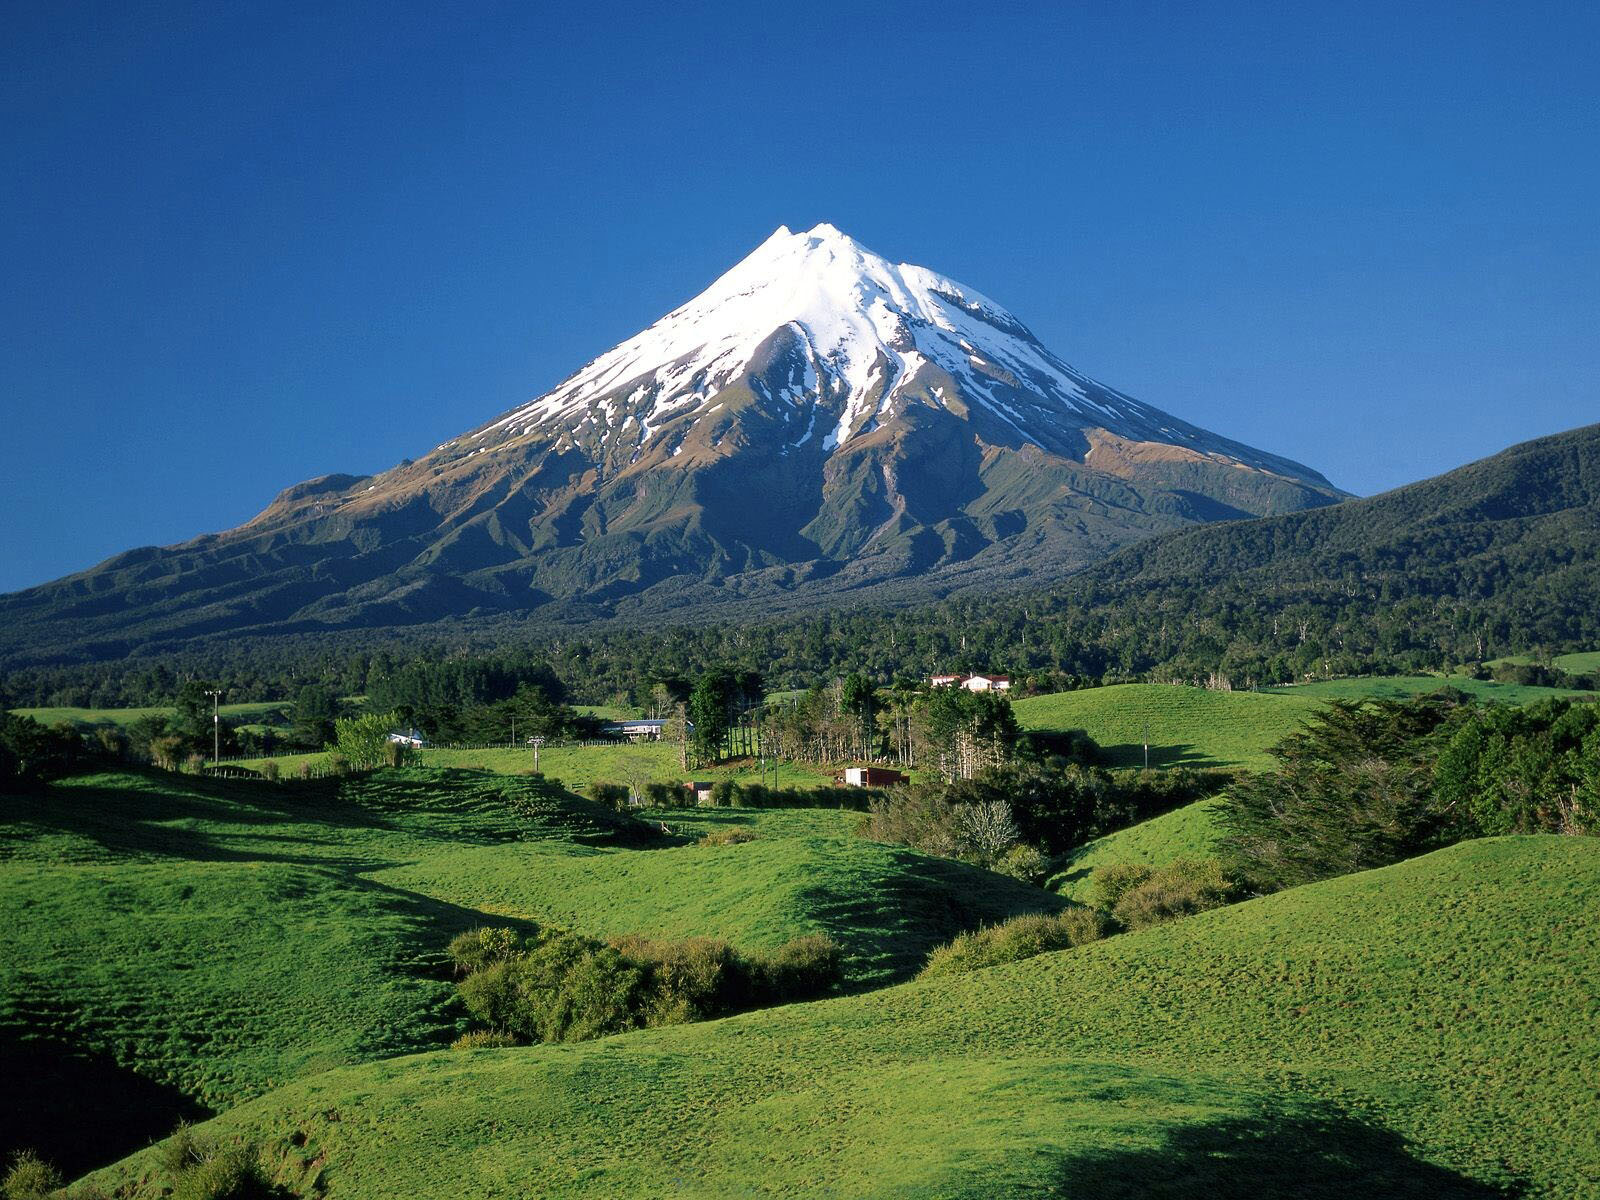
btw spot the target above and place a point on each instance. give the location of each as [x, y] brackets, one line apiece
[1425, 1031]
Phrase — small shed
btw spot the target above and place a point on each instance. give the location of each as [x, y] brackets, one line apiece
[409, 737]
[873, 777]
[700, 790]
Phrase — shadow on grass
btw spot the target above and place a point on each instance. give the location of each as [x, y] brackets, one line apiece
[889, 927]
[1181, 754]
[1270, 1156]
[78, 1109]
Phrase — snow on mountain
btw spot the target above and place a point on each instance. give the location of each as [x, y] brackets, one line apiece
[872, 337]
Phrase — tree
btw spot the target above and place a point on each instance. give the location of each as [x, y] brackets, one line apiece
[364, 741]
[313, 715]
[712, 705]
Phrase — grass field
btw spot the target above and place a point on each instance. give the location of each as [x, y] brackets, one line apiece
[177, 943]
[578, 766]
[1584, 662]
[1188, 832]
[124, 717]
[1401, 686]
[1426, 1031]
[1194, 727]
[1187, 726]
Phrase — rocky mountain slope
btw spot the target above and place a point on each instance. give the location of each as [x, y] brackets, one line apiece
[818, 420]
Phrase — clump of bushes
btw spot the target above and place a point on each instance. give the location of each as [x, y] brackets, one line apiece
[609, 795]
[1014, 940]
[1136, 896]
[29, 1178]
[557, 986]
[269, 771]
[200, 1169]
[483, 1039]
[737, 835]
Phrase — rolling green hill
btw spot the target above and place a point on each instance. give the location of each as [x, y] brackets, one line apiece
[1188, 832]
[1427, 1030]
[1187, 726]
[176, 943]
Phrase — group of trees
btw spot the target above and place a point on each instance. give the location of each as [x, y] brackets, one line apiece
[1366, 784]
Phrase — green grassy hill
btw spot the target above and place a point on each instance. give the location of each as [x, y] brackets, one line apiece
[1402, 686]
[176, 943]
[1427, 1030]
[1188, 832]
[124, 717]
[1187, 726]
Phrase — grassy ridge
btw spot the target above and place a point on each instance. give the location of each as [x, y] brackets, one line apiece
[1187, 726]
[1188, 832]
[124, 717]
[1426, 1030]
[1399, 687]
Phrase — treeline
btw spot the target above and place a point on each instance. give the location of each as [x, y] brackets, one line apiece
[1364, 785]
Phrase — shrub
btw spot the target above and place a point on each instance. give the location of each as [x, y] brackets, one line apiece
[725, 793]
[364, 741]
[230, 1173]
[483, 1039]
[29, 1178]
[689, 980]
[1111, 882]
[305, 769]
[201, 1170]
[735, 836]
[1182, 888]
[662, 795]
[1024, 862]
[610, 795]
[1014, 940]
[801, 969]
[269, 771]
[482, 947]
[340, 765]
[194, 763]
[491, 994]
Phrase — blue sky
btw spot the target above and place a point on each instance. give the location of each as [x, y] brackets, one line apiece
[248, 244]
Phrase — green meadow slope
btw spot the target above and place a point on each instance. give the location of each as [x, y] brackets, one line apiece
[1187, 832]
[1428, 1030]
[1197, 727]
[1187, 726]
[176, 944]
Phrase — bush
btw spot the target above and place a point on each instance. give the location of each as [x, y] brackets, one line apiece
[609, 795]
[483, 1039]
[725, 793]
[481, 947]
[1014, 940]
[340, 765]
[29, 1178]
[801, 969]
[1024, 862]
[1182, 888]
[663, 795]
[689, 980]
[201, 1170]
[736, 836]
[1110, 883]
[305, 769]
[565, 987]
[269, 771]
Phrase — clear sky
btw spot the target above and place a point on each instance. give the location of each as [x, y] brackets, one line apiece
[247, 244]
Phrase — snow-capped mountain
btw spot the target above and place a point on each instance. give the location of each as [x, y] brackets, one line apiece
[818, 419]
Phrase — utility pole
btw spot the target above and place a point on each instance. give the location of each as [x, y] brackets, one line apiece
[216, 726]
[1147, 743]
[513, 731]
[537, 742]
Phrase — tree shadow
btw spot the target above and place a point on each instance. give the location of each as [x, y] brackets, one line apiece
[77, 1108]
[1163, 757]
[889, 928]
[1315, 1155]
